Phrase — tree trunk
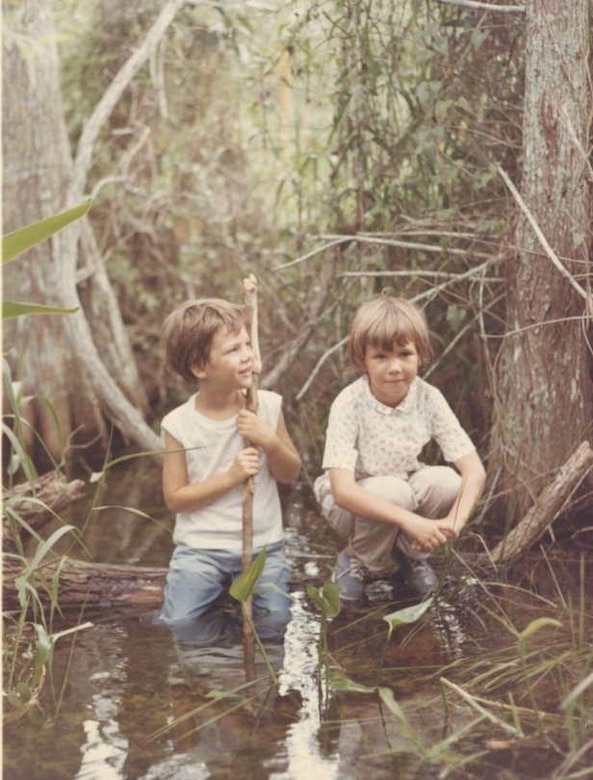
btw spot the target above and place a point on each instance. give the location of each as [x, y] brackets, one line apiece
[544, 400]
[86, 371]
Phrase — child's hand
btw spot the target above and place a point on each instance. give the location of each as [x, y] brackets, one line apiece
[246, 464]
[426, 535]
[254, 429]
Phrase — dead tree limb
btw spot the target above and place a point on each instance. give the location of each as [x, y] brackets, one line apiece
[550, 503]
[37, 504]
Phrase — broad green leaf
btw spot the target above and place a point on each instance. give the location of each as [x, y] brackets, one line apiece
[12, 309]
[406, 615]
[17, 242]
[245, 583]
[327, 598]
[388, 699]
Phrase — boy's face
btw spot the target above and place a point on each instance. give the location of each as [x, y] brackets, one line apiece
[391, 371]
[230, 365]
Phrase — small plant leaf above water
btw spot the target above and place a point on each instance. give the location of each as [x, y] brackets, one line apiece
[243, 587]
[407, 615]
[326, 598]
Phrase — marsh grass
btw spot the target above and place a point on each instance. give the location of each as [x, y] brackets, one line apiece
[523, 685]
[28, 636]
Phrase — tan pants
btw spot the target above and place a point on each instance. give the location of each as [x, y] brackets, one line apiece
[430, 492]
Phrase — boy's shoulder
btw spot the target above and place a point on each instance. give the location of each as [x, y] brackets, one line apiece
[181, 410]
[268, 394]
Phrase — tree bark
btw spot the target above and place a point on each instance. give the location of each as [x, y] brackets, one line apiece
[544, 395]
[85, 369]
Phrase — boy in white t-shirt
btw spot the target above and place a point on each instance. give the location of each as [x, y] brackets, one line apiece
[206, 463]
[392, 509]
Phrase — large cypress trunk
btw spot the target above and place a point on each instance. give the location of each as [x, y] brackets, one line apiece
[544, 403]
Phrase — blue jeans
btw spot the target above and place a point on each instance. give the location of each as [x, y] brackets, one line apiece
[198, 578]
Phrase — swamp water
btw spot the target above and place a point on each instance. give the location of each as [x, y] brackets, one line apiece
[125, 700]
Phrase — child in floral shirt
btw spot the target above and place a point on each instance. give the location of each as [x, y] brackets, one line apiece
[392, 509]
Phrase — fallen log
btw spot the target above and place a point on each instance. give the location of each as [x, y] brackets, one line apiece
[553, 500]
[89, 585]
[39, 503]
[82, 584]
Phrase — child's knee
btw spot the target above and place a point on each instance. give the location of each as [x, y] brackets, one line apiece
[435, 488]
[393, 489]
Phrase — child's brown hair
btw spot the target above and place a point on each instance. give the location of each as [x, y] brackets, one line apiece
[385, 321]
[189, 330]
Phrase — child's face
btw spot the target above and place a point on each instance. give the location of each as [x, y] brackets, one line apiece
[391, 371]
[230, 365]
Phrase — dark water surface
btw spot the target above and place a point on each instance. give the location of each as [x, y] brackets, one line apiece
[125, 700]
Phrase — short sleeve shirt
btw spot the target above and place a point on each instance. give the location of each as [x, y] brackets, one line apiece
[372, 439]
[211, 446]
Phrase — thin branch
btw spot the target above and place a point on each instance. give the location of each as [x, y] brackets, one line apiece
[543, 240]
[416, 273]
[335, 240]
[112, 94]
[404, 244]
[519, 9]
[326, 355]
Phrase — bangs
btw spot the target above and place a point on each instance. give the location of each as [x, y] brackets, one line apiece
[391, 328]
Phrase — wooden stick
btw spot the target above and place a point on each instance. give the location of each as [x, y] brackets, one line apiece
[250, 294]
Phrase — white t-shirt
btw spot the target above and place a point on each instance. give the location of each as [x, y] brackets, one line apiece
[212, 446]
[372, 439]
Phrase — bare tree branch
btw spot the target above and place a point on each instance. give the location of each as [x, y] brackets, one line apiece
[485, 6]
[112, 94]
[544, 241]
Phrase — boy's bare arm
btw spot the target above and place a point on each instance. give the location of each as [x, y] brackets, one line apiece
[473, 478]
[182, 496]
[283, 458]
[425, 534]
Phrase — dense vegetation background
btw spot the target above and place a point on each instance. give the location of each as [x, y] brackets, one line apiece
[333, 148]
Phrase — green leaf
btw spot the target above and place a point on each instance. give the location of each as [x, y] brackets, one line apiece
[536, 625]
[12, 309]
[17, 242]
[327, 598]
[407, 615]
[245, 583]
[340, 682]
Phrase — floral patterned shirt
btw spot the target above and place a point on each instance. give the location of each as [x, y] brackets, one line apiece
[372, 439]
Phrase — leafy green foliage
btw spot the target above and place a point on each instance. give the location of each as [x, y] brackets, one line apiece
[19, 241]
[243, 586]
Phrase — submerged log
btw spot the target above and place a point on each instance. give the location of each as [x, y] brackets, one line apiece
[550, 503]
[86, 585]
